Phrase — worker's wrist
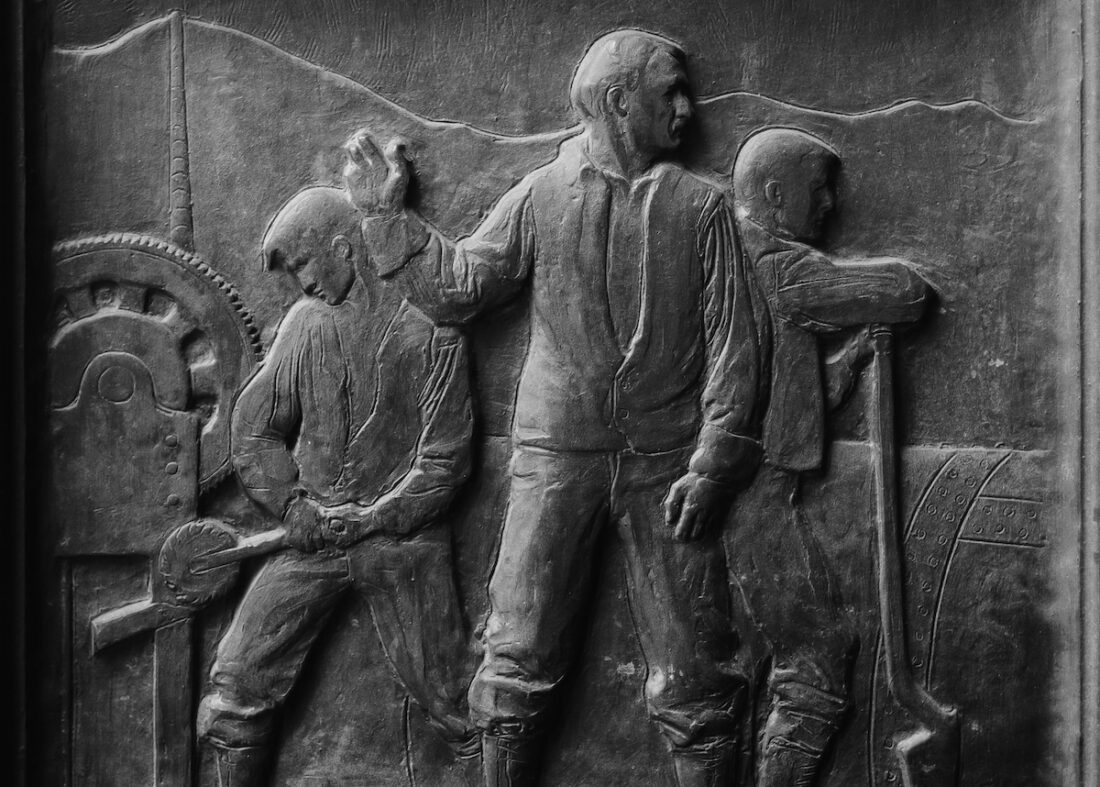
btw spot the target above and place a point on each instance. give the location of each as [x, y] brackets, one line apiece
[348, 523]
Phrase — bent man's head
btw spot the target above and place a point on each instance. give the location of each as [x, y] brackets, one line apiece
[785, 180]
[315, 237]
[634, 83]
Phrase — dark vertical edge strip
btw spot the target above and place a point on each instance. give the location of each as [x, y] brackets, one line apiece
[67, 689]
[13, 228]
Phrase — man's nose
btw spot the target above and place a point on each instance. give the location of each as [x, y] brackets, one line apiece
[682, 106]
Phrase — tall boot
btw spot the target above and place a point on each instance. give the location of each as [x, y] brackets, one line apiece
[470, 771]
[510, 760]
[793, 746]
[711, 765]
[468, 759]
[242, 767]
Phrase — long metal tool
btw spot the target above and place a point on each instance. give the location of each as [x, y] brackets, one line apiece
[928, 756]
[253, 546]
[197, 563]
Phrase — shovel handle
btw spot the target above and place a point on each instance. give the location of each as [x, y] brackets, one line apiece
[254, 546]
[884, 452]
[904, 685]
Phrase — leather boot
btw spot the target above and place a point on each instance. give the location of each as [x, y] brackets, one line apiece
[242, 767]
[793, 746]
[510, 760]
[787, 766]
[468, 760]
[713, 765]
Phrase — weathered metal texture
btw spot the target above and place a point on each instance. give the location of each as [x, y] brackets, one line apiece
[149, 347]
[176, 154]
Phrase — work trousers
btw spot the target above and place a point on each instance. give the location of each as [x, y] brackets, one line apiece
[541, 586]
[409, 587]
[791, 589]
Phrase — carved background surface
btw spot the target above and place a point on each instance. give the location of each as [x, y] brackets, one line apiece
[949, 120]
[512, 55]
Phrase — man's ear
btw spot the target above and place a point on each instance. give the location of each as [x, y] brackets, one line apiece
[269, 257]
[773, 193]
[616, 100]
[342, 247]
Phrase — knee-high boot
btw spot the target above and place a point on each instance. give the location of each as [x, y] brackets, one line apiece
[242, 767]
[795, 741]
[510, 760]
[712, 765]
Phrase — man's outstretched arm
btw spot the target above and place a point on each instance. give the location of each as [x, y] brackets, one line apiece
[819, 293]
[448, 280]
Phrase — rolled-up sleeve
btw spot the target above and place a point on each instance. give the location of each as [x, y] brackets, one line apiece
[728, 448]
[814, 292]
[453, 281]
[267, 416]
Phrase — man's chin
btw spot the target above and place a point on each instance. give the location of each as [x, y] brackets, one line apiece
[813, 237]
[671, 145]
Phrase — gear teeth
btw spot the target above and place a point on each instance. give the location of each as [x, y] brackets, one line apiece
[182, 257]
[188, 261]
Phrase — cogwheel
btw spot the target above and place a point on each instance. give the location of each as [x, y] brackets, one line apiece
[184, 544]
[118, 292]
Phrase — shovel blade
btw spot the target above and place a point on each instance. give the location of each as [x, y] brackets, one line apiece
[929, 757]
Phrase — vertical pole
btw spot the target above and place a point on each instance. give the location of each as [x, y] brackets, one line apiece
[927, 754]
[172, 694]
[173, 688]
[888, 545]
[181, 226]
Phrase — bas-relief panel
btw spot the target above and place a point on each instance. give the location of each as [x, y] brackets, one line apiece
[164, 309]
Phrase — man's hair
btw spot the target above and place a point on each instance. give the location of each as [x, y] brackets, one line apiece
[617, 58]
[769, 152]
[314, 215]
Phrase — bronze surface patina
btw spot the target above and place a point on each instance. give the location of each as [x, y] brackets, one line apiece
[687, 404]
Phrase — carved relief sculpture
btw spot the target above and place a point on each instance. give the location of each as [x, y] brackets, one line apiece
[356, 425]
[784, 182]
[520, 433]
[638, 406]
